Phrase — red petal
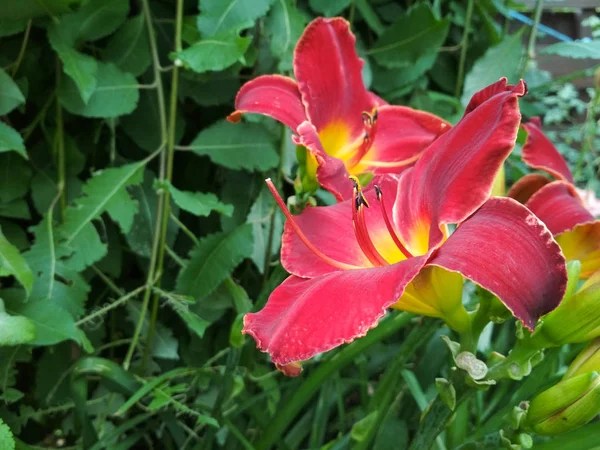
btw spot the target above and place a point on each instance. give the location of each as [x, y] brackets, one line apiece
[330, 229]
[456, 173]
[505, 249]
[331, 172]
[273, 95]
[498, 87]
[329, 74]
[540, 153]
[526, 186]
[400, 137]
[305, 317]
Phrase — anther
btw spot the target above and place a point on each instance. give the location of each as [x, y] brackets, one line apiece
[388, 224]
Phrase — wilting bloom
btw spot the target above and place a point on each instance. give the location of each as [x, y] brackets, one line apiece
[346, 129]
[557, 203]
[390, 245]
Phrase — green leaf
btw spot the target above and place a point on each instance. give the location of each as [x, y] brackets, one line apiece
[284, 26]
[7, 441]
[128, 48]
[17, 209]
[502, 60]
[329, 8]
[10, 27]
[237, 146]
[15, 177]
[209, 89]
[223, 15]
[14, 264]
[215, 53]
[15, 330]
[411, 37]
[116, 94]
[104, 192]
[11, 140]
[28, 9]
[10, 94]
[213, 260]
[95, 19]
[199, 203]
[261, 216]
[194, 322]
[164, 345]
[575, 49]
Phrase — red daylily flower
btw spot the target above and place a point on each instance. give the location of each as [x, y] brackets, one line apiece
[346, 129]
[389, 246]
[557, 203]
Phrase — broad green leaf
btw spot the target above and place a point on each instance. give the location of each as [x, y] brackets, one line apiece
[95, 19]
[10, 94]
[213, 260]
[194, 322]
[164, 345]
[199, 203]
[17, 209]
[15, 330]
[104, 192]
[222, 15]
[13, 263]
[208, 89]
[7, 440]
[575, 49]
[329, 8]
[503, 60]
[15, 177]
[237, 146]
[411, 37]
[11, 140]
[28, 9]
[81, 68]
[261, 217]
[116, 94]
[284, 26]
[10, 27]
[215, 53]
[128, 48]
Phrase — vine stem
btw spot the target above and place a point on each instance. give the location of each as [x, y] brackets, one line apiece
[464, 45]
[166, 176]
[537, 15]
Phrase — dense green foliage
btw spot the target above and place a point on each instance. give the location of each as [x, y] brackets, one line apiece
[136, 230]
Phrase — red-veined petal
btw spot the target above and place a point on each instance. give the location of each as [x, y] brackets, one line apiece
[329, 74]
[540, 153]
[456, 173]
[526, 186]
[273, 95]
[505, 249]
[401, 134]
[305, 317]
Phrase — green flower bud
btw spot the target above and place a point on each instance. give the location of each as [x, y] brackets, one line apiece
[566, 406]
[587, 361]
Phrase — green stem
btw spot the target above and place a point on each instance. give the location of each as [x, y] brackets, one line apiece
[313, 383]
[60, 148]
[21, 54]
[530, 55]
[168, 176]
[464, 45]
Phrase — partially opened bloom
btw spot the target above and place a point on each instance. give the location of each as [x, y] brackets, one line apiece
[346, 129]
[390, 246]
[557, 203]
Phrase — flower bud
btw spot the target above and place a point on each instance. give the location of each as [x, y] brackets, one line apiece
[587, 361]
[568, 405]
[576, 319]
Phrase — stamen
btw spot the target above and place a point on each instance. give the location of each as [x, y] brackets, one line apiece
[360, 226]
[370, 122]
[388, 224]
[301, 235]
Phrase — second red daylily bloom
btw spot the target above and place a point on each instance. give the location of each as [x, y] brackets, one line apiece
[557, 203]
[390, 246]
[346, 129]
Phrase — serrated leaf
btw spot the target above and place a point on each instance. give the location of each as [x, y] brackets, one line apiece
[215, 53]
[129, 48]
[15, 330]
[199, 203]
[10, 94]
[13, 263]
[7, 441]
[11, 140]
[237, 146]
[15, 177]
[104, 192]
[502, 60]
[221, 15]
[116, 94]
[284, 26]
[412, 36]
[329, 8]
[213, 260]
[576, 49]
[194, 322]
[260, 217]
